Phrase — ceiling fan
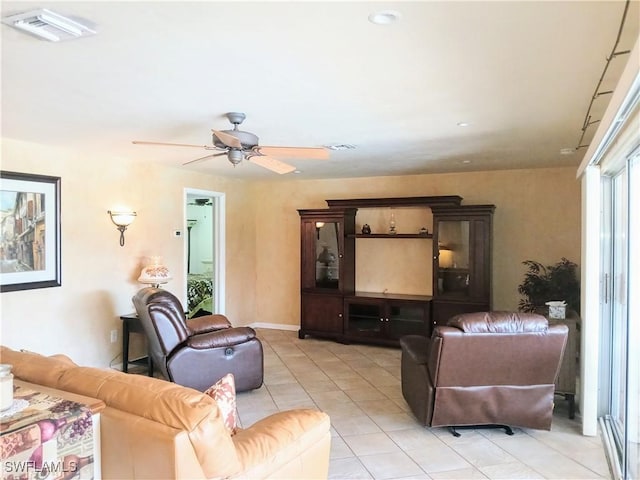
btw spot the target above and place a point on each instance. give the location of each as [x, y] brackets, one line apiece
[201, 202]
[239, 145]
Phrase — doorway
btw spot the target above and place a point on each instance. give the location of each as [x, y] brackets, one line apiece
[204, 252]
[620, 402]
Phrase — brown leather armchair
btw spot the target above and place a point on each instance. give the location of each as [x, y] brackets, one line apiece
[484, 369]
[196, 353]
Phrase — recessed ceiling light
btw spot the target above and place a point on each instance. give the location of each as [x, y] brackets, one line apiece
[567, 151]
[463, 124]
[297, 172]
[340, 146]
[384, 17]
[466, 162]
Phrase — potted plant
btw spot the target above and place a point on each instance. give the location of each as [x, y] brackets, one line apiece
[547, 283]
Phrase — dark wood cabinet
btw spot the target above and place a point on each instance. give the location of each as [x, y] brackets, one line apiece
[381, 318]
[322, 315]
[461, 265]
[462, 243]
[327, 269]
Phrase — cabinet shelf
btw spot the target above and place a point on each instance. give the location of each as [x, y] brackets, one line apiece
[387, 235]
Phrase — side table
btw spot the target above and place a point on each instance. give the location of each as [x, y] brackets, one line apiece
[567, 376]
[131, 324]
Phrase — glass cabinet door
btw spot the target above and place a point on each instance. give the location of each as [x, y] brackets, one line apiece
[407, 318]
[453, 258]
[327, 255]
[365, 318]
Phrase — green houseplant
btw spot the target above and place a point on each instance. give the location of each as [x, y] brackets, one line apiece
[552, 282]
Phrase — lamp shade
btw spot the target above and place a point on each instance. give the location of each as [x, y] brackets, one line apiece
[122, 219]
[156, 273]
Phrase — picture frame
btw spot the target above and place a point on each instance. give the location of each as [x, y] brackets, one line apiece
[30, 250]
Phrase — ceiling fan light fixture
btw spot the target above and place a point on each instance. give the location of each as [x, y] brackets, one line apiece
[235, 156]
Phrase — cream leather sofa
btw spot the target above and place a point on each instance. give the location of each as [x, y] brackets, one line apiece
[154, 429]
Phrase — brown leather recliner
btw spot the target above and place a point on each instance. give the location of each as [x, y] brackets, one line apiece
[484, 369]
[197, 353]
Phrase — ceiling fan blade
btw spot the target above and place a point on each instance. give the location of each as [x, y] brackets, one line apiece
[272, 164]
[316, 153]
[228, 140]
[206, 147]
[206, 156]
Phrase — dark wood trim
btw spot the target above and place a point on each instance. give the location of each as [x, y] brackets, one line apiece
[425, 236]
[390, 296]
[463, 210]
[451, 200]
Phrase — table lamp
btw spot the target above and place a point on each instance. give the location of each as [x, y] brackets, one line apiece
[155, 274]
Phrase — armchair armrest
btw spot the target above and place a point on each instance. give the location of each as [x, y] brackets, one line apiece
[221, 338]
[417, 347]
[207, 323]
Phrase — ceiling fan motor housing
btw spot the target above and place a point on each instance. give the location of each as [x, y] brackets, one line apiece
[247, 139]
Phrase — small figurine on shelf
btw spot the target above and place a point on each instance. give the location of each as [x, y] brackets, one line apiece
[366, 229]
[392, 224]
[424, 231]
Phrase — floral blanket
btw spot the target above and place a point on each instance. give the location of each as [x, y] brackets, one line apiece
[45, 437]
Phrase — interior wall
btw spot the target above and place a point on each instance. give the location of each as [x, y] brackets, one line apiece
[537, 217]
[99, 276]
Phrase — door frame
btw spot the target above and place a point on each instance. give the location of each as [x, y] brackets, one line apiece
[218, 249]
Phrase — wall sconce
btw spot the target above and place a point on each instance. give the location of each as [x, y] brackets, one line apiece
[319, 225]
[122, 220]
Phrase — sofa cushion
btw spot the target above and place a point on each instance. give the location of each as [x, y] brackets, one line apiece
[224, 394]
[275, 440]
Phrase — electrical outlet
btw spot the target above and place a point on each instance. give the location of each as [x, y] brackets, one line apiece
[114, 336]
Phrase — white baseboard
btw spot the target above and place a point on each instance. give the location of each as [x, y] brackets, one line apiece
[275, 326]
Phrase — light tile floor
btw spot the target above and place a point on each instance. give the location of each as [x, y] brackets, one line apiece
[374, 434]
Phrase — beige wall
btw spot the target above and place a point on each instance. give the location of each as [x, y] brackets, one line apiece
[99, 276]
[537, 217]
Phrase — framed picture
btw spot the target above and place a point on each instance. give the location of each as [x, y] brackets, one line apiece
[29, 231]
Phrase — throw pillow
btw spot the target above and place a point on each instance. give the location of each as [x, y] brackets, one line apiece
[224, 393]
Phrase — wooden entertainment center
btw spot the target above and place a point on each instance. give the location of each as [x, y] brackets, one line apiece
[459, 258]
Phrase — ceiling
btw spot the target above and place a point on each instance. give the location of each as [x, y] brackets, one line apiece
[520, 74]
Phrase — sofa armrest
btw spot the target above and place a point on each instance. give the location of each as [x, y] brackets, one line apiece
[272, 444]
[207, 323]
[221, 338]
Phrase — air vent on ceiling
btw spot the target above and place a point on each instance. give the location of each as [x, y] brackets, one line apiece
[48, 25]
